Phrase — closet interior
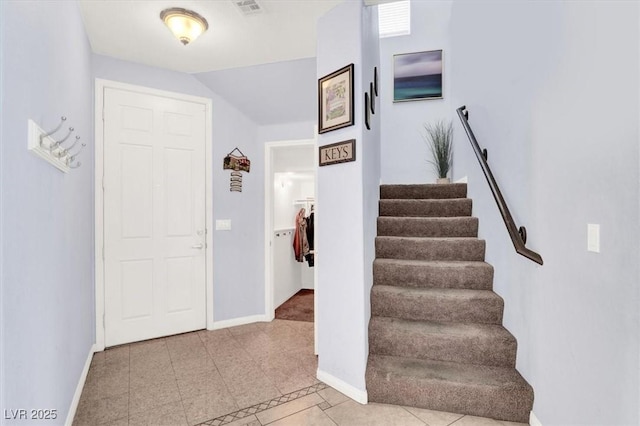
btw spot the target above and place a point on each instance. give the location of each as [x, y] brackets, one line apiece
[293, 234]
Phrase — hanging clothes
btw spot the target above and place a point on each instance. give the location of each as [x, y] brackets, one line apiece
[310, 236]
[300, 242]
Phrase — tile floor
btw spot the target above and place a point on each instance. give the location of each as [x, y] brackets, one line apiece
[253, 375]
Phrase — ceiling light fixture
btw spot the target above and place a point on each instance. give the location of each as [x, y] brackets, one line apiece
[185, 24]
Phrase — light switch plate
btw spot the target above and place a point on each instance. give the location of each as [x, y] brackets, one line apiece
[223, 225]
[593, 237]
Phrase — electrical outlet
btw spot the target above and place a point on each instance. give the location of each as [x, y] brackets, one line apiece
[223, 225]
[593, 237]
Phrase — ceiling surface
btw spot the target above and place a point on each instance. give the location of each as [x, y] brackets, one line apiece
[132, 30]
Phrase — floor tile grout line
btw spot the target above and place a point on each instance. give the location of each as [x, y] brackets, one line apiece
[300, 411]
[418, 418]
[175, 376]
[129, 390]
[319, 386]
[226, 385]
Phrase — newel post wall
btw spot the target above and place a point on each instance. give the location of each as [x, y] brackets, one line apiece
[347, 201]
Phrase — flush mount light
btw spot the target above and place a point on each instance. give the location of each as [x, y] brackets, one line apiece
[185, 24]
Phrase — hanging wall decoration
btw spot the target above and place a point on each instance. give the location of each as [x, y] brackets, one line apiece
[335, 100]
[238, 162]
[336, 153]
[417, 76]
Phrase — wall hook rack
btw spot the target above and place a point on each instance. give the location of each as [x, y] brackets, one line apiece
[44, 145]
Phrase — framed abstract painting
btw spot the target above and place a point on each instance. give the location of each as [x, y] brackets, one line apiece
[417, 76]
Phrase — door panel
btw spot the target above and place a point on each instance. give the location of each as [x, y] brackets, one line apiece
[154, 216]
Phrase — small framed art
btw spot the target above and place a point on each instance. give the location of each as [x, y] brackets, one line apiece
[417, 76]
[335, 100]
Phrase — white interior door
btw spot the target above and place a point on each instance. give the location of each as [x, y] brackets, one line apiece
[154, 216]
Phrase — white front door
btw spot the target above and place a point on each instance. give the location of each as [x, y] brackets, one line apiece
[154, 216]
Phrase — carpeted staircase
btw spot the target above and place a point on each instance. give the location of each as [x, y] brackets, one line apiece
[435, 337]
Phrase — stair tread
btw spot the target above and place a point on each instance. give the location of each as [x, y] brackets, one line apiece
[435, 263]
[430, 207]
[429, 218]
[472, 274]
[445, 328]
[443, 239]
[430, 370]
[432, 190]
[425, 200]
[450, 305]
[437, 292]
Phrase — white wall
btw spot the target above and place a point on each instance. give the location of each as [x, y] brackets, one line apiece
[404, 150]
[46, 225]
[344, 191]
[552, 89]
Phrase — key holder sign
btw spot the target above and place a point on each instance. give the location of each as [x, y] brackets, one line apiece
[337, 153]
[237, 162]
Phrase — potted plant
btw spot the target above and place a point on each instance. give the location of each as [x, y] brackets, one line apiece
[439, 137]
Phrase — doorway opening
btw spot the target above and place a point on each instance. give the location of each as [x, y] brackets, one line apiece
[290, 207]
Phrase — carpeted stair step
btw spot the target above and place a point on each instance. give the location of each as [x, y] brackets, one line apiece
[454, 190]
[438, 274]
[481, 344]
[428, 226]
[437, 304]
[496, 392]
[426, 208]
[430, 248]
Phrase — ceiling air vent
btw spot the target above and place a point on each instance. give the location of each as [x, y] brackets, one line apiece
[248, 7]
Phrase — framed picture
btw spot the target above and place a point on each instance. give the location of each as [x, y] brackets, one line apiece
[335, 100]
[417, 76]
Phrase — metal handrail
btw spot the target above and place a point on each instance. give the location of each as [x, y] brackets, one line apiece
[518, 235]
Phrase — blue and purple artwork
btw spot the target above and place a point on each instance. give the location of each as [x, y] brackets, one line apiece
[417, 76]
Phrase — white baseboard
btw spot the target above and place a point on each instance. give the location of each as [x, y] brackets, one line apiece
[533, 420]
[76, 396]
[217, 325]
[341, 386]
[463, 179]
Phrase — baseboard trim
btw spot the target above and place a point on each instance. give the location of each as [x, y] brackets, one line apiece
[533, 420]
[341, 386]
[76, 396]
[217, 325]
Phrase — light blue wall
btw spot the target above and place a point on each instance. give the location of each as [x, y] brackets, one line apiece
[404, 150]
[47, 216]
[552, 89]
[269, 94]
[288, 131]
[371, 156]
[345, 240]
[238, 260]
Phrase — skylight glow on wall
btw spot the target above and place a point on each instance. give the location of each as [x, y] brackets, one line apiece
[394, 19]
